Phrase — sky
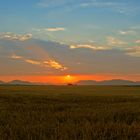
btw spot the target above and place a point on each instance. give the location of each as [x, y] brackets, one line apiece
[48, 40]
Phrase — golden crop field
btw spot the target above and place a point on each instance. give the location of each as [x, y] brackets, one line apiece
[69, 112]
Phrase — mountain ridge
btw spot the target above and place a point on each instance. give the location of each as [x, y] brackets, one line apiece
[108, 82]
[19, 82]
[81, 82]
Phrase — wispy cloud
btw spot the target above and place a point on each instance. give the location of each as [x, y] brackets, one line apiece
[49, 34]
[120, 7]
[43, 63]
[78, 3]
[16, 57]
[54, 64]
[129, 32]
[96, 3]
[135, 27]
[34, 62]
[88, 46]
[51, 29]
[72, 4]
[115, 42]
[138, 41]
[13, 36]
[55, 29]
[133, 51]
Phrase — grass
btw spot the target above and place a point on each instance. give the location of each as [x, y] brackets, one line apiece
[69, 113]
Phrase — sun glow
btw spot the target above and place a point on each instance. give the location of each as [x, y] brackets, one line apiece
[68, 76]
[69, 79]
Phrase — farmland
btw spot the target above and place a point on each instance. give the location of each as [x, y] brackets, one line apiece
[69, 112]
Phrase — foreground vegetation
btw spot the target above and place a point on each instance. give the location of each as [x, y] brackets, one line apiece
[69, 113]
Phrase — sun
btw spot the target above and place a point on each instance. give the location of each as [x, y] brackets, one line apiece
[68, 76]
[70, 79]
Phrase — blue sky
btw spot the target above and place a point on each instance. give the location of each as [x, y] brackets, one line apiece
[83, 20]
[97, 30]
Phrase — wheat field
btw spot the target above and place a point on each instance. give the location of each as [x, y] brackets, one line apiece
[69, 112]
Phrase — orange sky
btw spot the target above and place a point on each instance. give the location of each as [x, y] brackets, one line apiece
[63, 79]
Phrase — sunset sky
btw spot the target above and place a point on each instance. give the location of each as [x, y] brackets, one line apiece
[62, 41]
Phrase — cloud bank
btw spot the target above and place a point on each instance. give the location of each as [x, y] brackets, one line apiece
[13, 36]
[43, 63]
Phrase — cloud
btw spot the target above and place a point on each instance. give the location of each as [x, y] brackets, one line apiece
[114, 41]
[54, 64]
[49, 34]
[78, 3]
[54, 29]
[12, 36]
[135, 27]
[135, 51]
[16, 57]
[34, 62]
[119, 7]
[25, 37]
[138, 41]
[43, 63]
[130, 32]
[122, 7]
[44, 57]
[97, 4]
[89, 46]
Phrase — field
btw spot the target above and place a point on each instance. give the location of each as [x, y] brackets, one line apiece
[69, 113]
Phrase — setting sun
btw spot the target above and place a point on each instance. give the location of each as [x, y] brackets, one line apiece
[69, 79]
[68, 76]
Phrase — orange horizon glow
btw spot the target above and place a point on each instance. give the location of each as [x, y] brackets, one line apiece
[65, 79]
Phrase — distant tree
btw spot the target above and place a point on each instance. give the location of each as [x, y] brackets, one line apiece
[70, 84]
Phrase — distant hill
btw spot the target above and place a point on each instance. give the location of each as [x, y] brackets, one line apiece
[1, 82]
[81, 82]
[19, 82]
[108, 82]
[87, 82]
